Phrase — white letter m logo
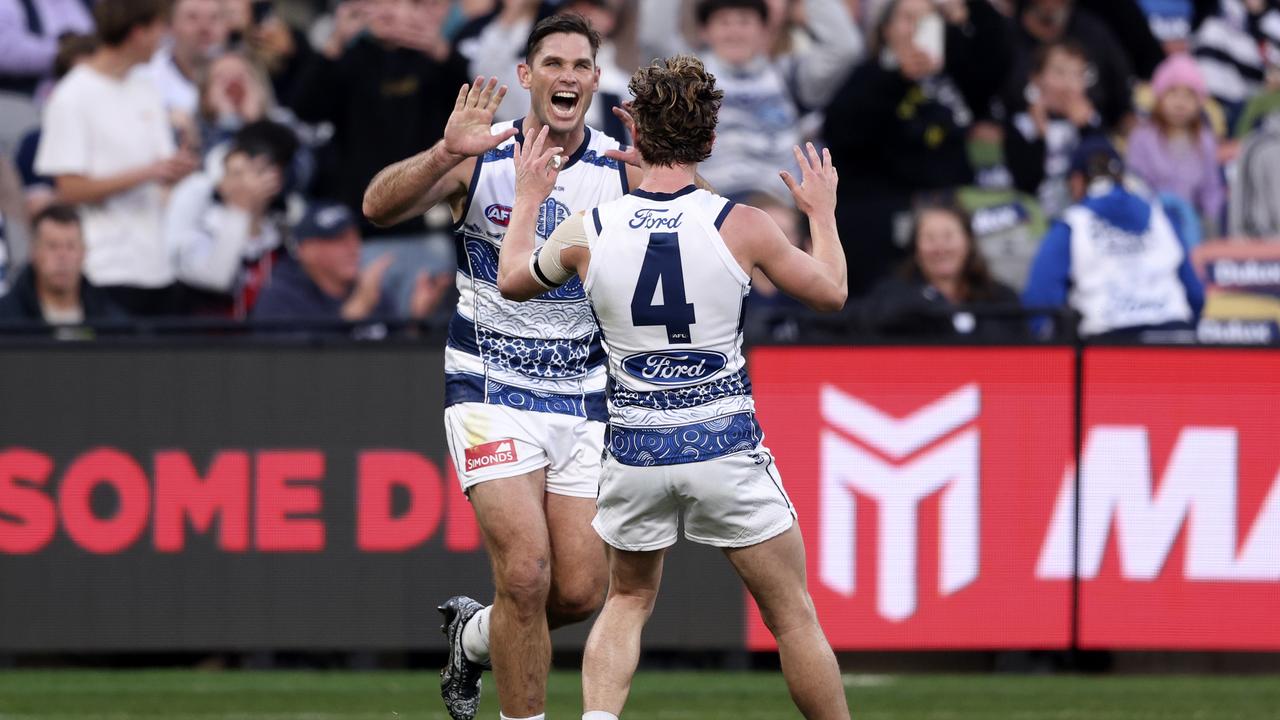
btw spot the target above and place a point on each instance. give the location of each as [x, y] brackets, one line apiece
[898, 487]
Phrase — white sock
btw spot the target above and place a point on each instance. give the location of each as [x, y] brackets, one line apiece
[475, 637]
[599, 715]
[540, 716]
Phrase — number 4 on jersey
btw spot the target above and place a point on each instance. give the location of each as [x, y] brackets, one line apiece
[662, 266]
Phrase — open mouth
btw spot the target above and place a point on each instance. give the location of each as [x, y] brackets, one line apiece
[564, 102]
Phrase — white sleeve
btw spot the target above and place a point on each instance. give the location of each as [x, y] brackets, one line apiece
[64, 136]
[838, 46]
[208, 239]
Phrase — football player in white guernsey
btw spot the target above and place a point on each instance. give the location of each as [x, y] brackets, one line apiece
[666, 270]
[524, 383]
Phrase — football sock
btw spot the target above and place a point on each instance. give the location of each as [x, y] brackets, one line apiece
[475, 637]
[599, 715]
[539, 716]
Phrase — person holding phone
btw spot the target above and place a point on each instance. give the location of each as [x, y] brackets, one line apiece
[899, 125]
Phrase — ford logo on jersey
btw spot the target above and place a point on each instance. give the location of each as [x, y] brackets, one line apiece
[674, 367]
[498, 214]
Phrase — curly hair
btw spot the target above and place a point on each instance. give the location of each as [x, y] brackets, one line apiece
[675, 108]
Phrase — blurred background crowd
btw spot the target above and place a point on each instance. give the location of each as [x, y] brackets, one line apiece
[207, 158]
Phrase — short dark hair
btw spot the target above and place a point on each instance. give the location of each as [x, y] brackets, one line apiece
[1040, 59]
[707, 8]
[676, 108]
[72, 47]
[115, 19]
[265, 137]
[59, 213]
[570, 23]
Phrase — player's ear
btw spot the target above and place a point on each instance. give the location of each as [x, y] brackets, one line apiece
[525, 74]
[595, 81]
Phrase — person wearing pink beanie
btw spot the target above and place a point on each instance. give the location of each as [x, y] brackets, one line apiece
[1174, 151]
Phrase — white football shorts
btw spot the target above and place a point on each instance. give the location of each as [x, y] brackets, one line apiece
[494, 441]
[732, 501]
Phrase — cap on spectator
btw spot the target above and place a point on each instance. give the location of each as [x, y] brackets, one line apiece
[1179, 70]
[323, 219]
[1095, 156]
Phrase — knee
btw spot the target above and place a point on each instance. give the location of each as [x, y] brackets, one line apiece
[785, 615]
[525, 582]
[575, 603]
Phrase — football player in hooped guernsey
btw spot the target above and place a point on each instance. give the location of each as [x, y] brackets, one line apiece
[666, 270]
[524, 383]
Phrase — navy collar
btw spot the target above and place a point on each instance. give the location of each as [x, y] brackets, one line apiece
[663, 197]
[577, 154]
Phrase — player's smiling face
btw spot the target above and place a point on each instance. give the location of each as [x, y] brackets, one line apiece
[561, 77]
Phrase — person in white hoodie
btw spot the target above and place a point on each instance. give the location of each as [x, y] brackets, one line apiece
[224, 224]
[764, 97]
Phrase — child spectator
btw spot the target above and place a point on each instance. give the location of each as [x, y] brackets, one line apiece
[1057, 113]
[764, 97]
[1175, 151]
[108, 145]
[226, 229]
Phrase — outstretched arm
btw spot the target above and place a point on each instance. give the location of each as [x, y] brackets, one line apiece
[414, 186]
[821, 280]
[522, 273]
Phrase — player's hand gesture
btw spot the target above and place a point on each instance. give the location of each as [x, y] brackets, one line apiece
[467, 132]
[536, 167]
[631, 155]
[815, 194]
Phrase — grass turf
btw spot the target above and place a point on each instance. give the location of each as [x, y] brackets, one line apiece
[233, 695]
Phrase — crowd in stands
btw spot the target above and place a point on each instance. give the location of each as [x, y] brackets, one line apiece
[207, 158]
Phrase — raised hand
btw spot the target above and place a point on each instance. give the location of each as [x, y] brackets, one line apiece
[631, 155]
[815, 194]
[467, 132]
[536, 167]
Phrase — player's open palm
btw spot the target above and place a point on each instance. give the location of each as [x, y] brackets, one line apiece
[815, 193]
[536, 167]
[467, 131]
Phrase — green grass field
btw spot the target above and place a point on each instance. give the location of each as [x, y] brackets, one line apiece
[233, 695]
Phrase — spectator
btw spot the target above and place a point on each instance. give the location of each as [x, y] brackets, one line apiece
[1044, 131]
[323, 281]
[227, 230]
[899, 126]
[275, 47]
[940, 286]
[198, 34]
[14, 244]
[763, 97]
[106, 142]
[1114, 256]
[53, 289]
[388, 91]
[1234, 48]
[38, 190]
[29, 32]
[1110, 74]
[1175, 151]
[498, 48]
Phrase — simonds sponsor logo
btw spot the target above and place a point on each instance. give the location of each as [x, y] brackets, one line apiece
[674, 367]
[498, 214]
[499, 452]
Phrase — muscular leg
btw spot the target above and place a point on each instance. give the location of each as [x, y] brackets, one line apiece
[774, 573]
[613, 648]
[513, 521]
[579, 566]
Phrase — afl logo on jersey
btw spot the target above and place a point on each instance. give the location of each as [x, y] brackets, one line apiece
[552, 213]
[498, 214]
[674, 367]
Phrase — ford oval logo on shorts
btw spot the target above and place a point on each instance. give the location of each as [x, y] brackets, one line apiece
[498, 214]
[674, 367]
